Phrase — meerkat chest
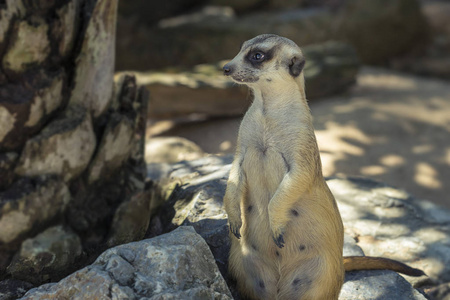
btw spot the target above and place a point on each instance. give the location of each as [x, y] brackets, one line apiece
[269, 132]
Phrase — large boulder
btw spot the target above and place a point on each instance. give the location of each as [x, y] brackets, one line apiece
[378, 219]
[177, 265]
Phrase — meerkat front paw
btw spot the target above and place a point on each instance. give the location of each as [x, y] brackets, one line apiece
[278, 238]
[235, 227]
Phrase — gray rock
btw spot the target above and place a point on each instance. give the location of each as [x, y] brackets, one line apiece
[380, 285]
[11, 289]
[178, 265]
[64, 147]
[29, 204]
[441, 292]
[391, 223]
[45, 256]
[383, 220]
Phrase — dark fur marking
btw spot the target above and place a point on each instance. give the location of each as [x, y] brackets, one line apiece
[254, 247]
[294, 212]
[300, 285]
[261, 284]
[269, 79]
[249, 208]
[302, 247]
[288, 166]
[277, 253]
[268, 55]
[296, 66]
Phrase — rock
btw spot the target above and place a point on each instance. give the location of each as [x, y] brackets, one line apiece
[11, 289]
[93, 82]
[130, 221]
[178, 265]
[204, 91]
[46, 256]
[378, 30]
[384, 221]
[7, 163]
[384, 285]
[26, 107]
[28, 45]
[29, 204]
[64, 147]
[171, 150]
[391, 223]
[441, 292]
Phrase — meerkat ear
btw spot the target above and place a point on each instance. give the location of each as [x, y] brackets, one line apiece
[296, 66]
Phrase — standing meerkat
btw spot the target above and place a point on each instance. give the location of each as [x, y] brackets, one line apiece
[286, 231]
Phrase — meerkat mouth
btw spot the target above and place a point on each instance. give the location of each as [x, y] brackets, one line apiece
[249, 79]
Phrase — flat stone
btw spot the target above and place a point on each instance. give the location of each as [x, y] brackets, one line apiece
[93, 82]
[46, 256]
[177, 265]
[391, 223]
[385, 285]
[29, 204]
[28, 45]
[64, 147]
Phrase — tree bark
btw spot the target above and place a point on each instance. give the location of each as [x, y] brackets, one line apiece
[71, 139]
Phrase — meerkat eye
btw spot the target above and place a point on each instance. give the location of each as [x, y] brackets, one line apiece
[257, 56]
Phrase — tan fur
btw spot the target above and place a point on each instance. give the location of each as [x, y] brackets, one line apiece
[288, 233]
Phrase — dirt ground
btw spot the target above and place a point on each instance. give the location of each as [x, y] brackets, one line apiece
[390, 127]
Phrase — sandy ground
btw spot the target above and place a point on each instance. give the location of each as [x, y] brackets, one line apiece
[390, 127]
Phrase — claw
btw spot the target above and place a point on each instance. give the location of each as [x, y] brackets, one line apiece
[236, 232]
[279, 241]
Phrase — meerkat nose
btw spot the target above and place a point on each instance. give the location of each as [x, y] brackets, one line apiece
[227, 70]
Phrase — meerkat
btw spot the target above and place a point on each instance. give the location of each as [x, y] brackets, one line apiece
[285, 227]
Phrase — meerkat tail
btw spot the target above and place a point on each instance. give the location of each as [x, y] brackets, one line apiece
[353, 263]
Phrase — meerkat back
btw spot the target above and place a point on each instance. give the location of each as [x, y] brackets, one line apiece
[286, 231]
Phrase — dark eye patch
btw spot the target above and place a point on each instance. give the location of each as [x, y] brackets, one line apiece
[254, 53]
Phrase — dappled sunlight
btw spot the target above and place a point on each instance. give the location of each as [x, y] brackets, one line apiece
[334, 146]
[393, 128]
[427, 176]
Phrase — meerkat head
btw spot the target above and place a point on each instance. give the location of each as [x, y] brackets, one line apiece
[267, 58]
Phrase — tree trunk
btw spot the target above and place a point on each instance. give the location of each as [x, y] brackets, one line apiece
[71, 139]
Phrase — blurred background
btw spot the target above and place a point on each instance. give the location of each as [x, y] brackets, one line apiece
[377, 78]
